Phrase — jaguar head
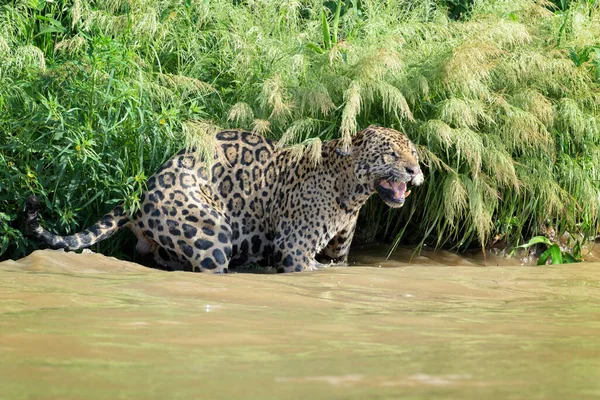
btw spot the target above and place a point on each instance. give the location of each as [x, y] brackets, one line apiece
[387, 163]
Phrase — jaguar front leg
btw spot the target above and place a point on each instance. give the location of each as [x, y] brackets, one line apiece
[336, 251]
[296, 261]
[295, 253]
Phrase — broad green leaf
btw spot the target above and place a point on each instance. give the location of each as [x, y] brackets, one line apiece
[569, 259]
[544, 257]
[555, 254]
[536, 240]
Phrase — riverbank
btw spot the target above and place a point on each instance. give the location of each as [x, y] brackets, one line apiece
[501, 102]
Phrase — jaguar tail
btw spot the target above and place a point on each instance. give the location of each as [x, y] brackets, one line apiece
[107, 226]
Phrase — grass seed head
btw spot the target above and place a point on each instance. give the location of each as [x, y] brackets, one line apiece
[261, 127]
[240, 113]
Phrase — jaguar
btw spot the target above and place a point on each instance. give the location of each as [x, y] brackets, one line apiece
[256, 202]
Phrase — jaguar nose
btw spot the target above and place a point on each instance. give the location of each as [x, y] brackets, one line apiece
[412, 170]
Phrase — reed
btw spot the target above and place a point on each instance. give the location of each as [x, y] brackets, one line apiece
[502, 101]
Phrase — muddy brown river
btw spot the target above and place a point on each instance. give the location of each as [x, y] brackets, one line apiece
[440, 326]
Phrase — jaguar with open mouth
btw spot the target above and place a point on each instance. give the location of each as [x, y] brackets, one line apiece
[390, 167]
[258, 203]
[392, 190]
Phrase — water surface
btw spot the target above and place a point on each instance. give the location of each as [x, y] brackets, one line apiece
[84, 326]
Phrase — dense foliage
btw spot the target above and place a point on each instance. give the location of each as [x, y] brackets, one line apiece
[502, 101]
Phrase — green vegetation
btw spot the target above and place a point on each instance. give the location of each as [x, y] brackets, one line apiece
[502, 102]
[553, 251]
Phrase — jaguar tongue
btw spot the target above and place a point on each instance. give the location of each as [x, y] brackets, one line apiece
[399, 189]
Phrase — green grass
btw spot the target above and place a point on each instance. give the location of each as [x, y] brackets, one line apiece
[502, 103]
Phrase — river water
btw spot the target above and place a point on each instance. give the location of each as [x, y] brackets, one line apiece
[439, 326]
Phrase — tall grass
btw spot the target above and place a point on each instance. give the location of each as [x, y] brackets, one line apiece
[502, 103]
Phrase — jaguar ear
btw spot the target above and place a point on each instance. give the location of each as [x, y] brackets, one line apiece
[343, 153]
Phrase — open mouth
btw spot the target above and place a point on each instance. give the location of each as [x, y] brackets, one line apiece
[392, 190]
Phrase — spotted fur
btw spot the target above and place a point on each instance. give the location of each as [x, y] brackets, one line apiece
[259, 204]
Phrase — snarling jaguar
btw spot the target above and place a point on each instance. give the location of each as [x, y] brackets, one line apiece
[259, 203]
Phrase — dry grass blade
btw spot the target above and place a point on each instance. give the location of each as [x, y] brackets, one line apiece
[200, 137]
[274, 96]
[184, 84]
[72, 46]
[455, 198]
[537, 104]
[498, 162]
[4, 48]
[523, 131]
[105, 22]
[439, 132]
[467, 71]
[316, 101]
[352, 98]
[310, 148]
[261, 127]
[463, 113]
[572, 119]
[241, 113]
[297, 131]
[393, 101]
[29, 57]
[479, 209]
[427, 157]
[469, 145]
